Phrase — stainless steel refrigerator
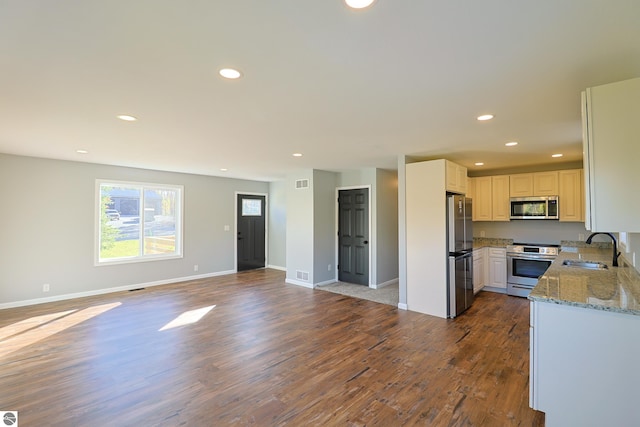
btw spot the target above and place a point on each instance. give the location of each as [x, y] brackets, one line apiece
[460, 249]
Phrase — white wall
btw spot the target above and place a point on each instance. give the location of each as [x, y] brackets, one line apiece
[48, 228]
[359, 177]
[299, 229]
[324, 226]
[402, 232]
[386, 226]
[277, 224]
[426, 221]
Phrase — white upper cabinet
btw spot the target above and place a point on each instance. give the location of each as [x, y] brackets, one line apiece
[545, 183]
[482, 200]
[456, 178]
[521, 185]
[570, 192]
[500, 206]
[533, 184]
[611, 144]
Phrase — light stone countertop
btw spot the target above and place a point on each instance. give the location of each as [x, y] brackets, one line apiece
[481, 242]
[615, 289]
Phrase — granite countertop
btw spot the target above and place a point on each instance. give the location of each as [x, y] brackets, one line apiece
[614, 289]
[481, 242]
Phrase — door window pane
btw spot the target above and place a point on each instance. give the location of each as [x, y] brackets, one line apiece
[251, 207]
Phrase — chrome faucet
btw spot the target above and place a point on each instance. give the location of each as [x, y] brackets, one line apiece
[616, 254]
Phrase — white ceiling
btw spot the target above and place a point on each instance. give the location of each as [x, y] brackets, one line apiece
[346, 88]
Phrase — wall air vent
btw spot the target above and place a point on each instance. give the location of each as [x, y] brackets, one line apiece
[301, 184]
[302, 275]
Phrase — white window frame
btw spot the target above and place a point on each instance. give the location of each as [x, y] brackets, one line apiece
[142, 186]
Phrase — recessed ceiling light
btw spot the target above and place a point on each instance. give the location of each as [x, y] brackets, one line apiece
[230, 73]
[127, 118]
[297, 154]
[223, 169]
[479, 164]
[556, 155]
[485, 117]
[82, 152]
[511, 144]
[358, 4]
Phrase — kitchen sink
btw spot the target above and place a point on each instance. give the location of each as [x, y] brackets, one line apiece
[590, 265]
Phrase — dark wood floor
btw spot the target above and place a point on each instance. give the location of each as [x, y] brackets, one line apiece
[267, 354]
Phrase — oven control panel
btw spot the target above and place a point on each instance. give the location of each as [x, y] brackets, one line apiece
[526, 249]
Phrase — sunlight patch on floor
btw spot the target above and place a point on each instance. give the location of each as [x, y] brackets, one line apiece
[187, 318]
[30, 323]
[34, 329]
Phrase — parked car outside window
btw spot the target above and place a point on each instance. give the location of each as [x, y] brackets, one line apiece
[112, 214]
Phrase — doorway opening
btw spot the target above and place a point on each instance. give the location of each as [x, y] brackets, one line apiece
[251, 236]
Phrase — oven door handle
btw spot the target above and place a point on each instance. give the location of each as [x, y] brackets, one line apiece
[532, 257]
[519, 286]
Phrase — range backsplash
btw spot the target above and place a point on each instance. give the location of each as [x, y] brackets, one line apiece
[531, 231]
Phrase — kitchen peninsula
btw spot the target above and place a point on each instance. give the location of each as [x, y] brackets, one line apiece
[585, 350]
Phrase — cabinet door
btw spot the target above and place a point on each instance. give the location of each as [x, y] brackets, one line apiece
[478, 269]
[451, 178]
[611, 153]
[485, 267]
[545, 183]
[570, 193]
[521, 185]
[471, 189]
[462, 179]
[482, 198]
[456, 178]
[500, 206]
[498, 272]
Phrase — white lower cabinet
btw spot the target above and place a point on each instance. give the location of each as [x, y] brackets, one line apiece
[497, 269]
[479, 267]
[583, 365]
[490, 269]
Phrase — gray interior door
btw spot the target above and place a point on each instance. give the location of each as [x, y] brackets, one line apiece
[251, 232]
[353, 236]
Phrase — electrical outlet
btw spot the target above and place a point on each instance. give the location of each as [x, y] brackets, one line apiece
[227, 228]
[45, 287]
[195, 267]
[482, 233]
[581, 236]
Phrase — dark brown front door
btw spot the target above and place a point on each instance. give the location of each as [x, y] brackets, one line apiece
[251, 232]
[353, 235]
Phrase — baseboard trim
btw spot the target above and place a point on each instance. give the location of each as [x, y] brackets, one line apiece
[299, 283]
[277, 267]
[63, 297]
[325, 283]
[387, 283]
[402, 306]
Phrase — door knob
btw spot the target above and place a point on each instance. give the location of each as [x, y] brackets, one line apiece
[365, 242]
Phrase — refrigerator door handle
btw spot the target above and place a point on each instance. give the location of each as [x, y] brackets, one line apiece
[451, 220]
[451, 291]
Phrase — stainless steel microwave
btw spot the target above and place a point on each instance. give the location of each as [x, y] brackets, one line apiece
[544, 207]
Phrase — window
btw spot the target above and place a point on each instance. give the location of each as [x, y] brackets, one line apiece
[251, 207]
[138, 222]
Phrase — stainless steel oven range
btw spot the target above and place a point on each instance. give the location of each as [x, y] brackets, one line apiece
[525, 264]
